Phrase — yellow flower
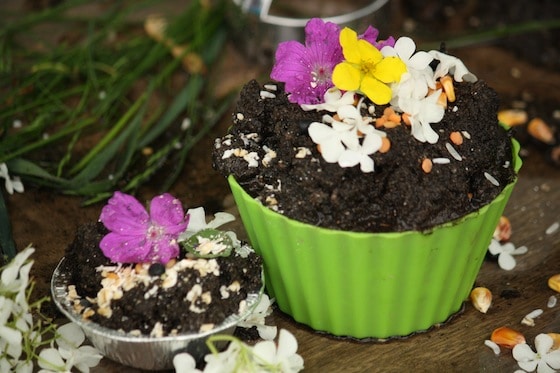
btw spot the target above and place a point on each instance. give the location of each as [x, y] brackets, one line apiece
[365, 69]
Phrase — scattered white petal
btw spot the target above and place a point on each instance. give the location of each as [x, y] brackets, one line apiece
[505, 253]
[552, 301]
[553, 228]
[492, 345]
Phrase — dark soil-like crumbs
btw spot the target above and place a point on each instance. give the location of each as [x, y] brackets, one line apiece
[169, 307]
[398, 195]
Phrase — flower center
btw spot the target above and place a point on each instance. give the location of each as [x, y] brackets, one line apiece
[154, 232]
[319, 75]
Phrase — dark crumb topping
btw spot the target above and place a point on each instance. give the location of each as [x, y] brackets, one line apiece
[271, 155]
[185, 295]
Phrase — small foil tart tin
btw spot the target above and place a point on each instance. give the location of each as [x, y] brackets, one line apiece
[143, 352]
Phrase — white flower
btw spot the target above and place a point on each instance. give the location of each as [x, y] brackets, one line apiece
[544, 360]
[340, 142]
[70, 353]
[452, 65]
[185, 363]
[284, 357]
[419, 76]
[505, 253]
[15, 277]
[228, 360]
[11, 184]
[422, 112]
[257, 319]
[360, 154]
[333, 100]
[328, 139]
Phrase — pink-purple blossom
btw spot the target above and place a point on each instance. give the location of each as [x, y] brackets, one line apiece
[306, 69]
[136, 236]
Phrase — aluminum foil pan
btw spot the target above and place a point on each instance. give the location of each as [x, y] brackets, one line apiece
[260, 31]
[142, 352]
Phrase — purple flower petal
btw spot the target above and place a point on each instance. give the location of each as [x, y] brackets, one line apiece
[124, 214]
[163, 249]
[167, 212]
[306, 69]
[136, 236]
[371, 34]
[124, 248]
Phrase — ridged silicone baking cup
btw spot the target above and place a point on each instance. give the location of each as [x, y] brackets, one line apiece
[370, 285]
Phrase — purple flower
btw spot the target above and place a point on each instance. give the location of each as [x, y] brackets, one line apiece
[371, 35]
[136, 236]
[306, 69]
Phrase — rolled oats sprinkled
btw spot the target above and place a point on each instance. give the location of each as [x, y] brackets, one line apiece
[240, 116]
[302, 152]
[224, 292]
[206, 327]
[157, 331]
[493, 346]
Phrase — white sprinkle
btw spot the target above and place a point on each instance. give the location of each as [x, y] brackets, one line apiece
[240, 116]
[17, 123]
[441, 160]
[535, 313]
[506, 164]
[453, 152]
[553, 228]
[466, 134]
[371, 109]
[493, 346]
[102, 95]
[552, 301]
[267, 94]
[491, 179]
[455, 108]
[313, 84]
[271, 87]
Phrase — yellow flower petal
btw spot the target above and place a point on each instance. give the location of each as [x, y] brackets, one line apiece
[390, 69]
[349, 41]
[346, 77]
[368, 53]
[379, 93]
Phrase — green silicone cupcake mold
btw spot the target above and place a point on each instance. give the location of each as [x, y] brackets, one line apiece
[370, 285]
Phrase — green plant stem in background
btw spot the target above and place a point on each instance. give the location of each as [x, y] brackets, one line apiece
[103, 111]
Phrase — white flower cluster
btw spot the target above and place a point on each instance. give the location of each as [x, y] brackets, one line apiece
[21, 336]
[349, 139]
[264, 356]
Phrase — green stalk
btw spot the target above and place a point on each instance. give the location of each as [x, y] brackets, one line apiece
[123, 121]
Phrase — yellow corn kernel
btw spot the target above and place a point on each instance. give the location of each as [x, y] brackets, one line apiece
[507, 337]
[481, 298]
